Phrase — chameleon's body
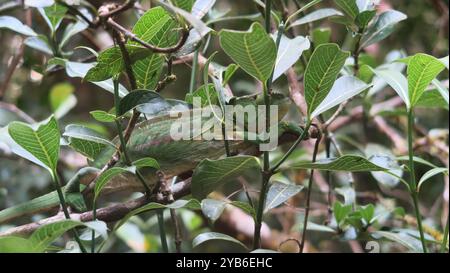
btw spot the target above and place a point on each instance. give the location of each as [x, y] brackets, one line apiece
[149, 139]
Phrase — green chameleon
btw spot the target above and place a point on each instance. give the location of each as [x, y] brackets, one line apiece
[149, 139]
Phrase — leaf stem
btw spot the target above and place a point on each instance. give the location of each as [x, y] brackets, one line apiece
[162, 230]
[63, 203]
[445, 239]
[293, 147]
[308, 195]
[412, 183]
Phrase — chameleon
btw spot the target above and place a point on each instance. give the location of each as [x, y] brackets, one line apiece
[150, 138]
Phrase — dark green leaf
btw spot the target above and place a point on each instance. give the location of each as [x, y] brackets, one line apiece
[279, 193]
[41, 140]
[349, 7]
[349, 163]
[139, 97]
[13, 24]
[422, 69]
[382, 27]
[321, 73]
[208, 236]
[210, 174]
[253, 50]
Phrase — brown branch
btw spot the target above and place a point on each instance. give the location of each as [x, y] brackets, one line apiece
[109, 214]
[133, 37]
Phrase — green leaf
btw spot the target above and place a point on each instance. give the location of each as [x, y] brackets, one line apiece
[212, 208]
[202, 7]
[103, 116]
[140, 97]
[79, 70]
[147, 162]
[201, 28]
[289, 52]
[244, 206]
[74, 28]
[39, 43]
[157, 27]
[315, 16]
[12, 244]
[208, 236]
[85, 140]
[210, 174]
[349, 7]
[148, 71]
[432, 99]
[382, 27]
[397, 81]
[41, 140]
[39, 4]
[321, 73]
[110, 62]
[348, 163]
[383, 157]
[53, 15]
[430, 174]
[229, 72]
[14, 24]
[442, 90]
[279, 193]
[203, 95]
[422, 69]
[106, 176]
[191, 204]
[417, 160]
[343, 89]
[46, 234]
[62, 99]
[321, 36]
[364, 18]
[402, 238]
[341, 212]
[253, 50]
[184, 4]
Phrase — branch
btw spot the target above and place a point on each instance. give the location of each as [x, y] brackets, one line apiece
[109, 214]
[133, 37]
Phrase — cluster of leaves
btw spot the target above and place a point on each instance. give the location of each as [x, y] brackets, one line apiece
[332, 76]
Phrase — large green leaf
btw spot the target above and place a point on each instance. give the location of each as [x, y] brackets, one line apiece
[422, 69]
[208, 236]
[382, 27]
[315, 16]
[110, 62]
[13, 24]
[253, 50]
[178, 204]
[397, 81]
[321, 72]
[107, 175]
[279, 193]
[79, 70]
[13, 244]
[430, 174]
[41, 140]
[211, 174]
[349, 163]
[148, 71]
[85, 140]
[140, 97]
[402, 238]
[349, 7]
[343, 89]
[289, 52]
[53, 15]
[432, 99]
